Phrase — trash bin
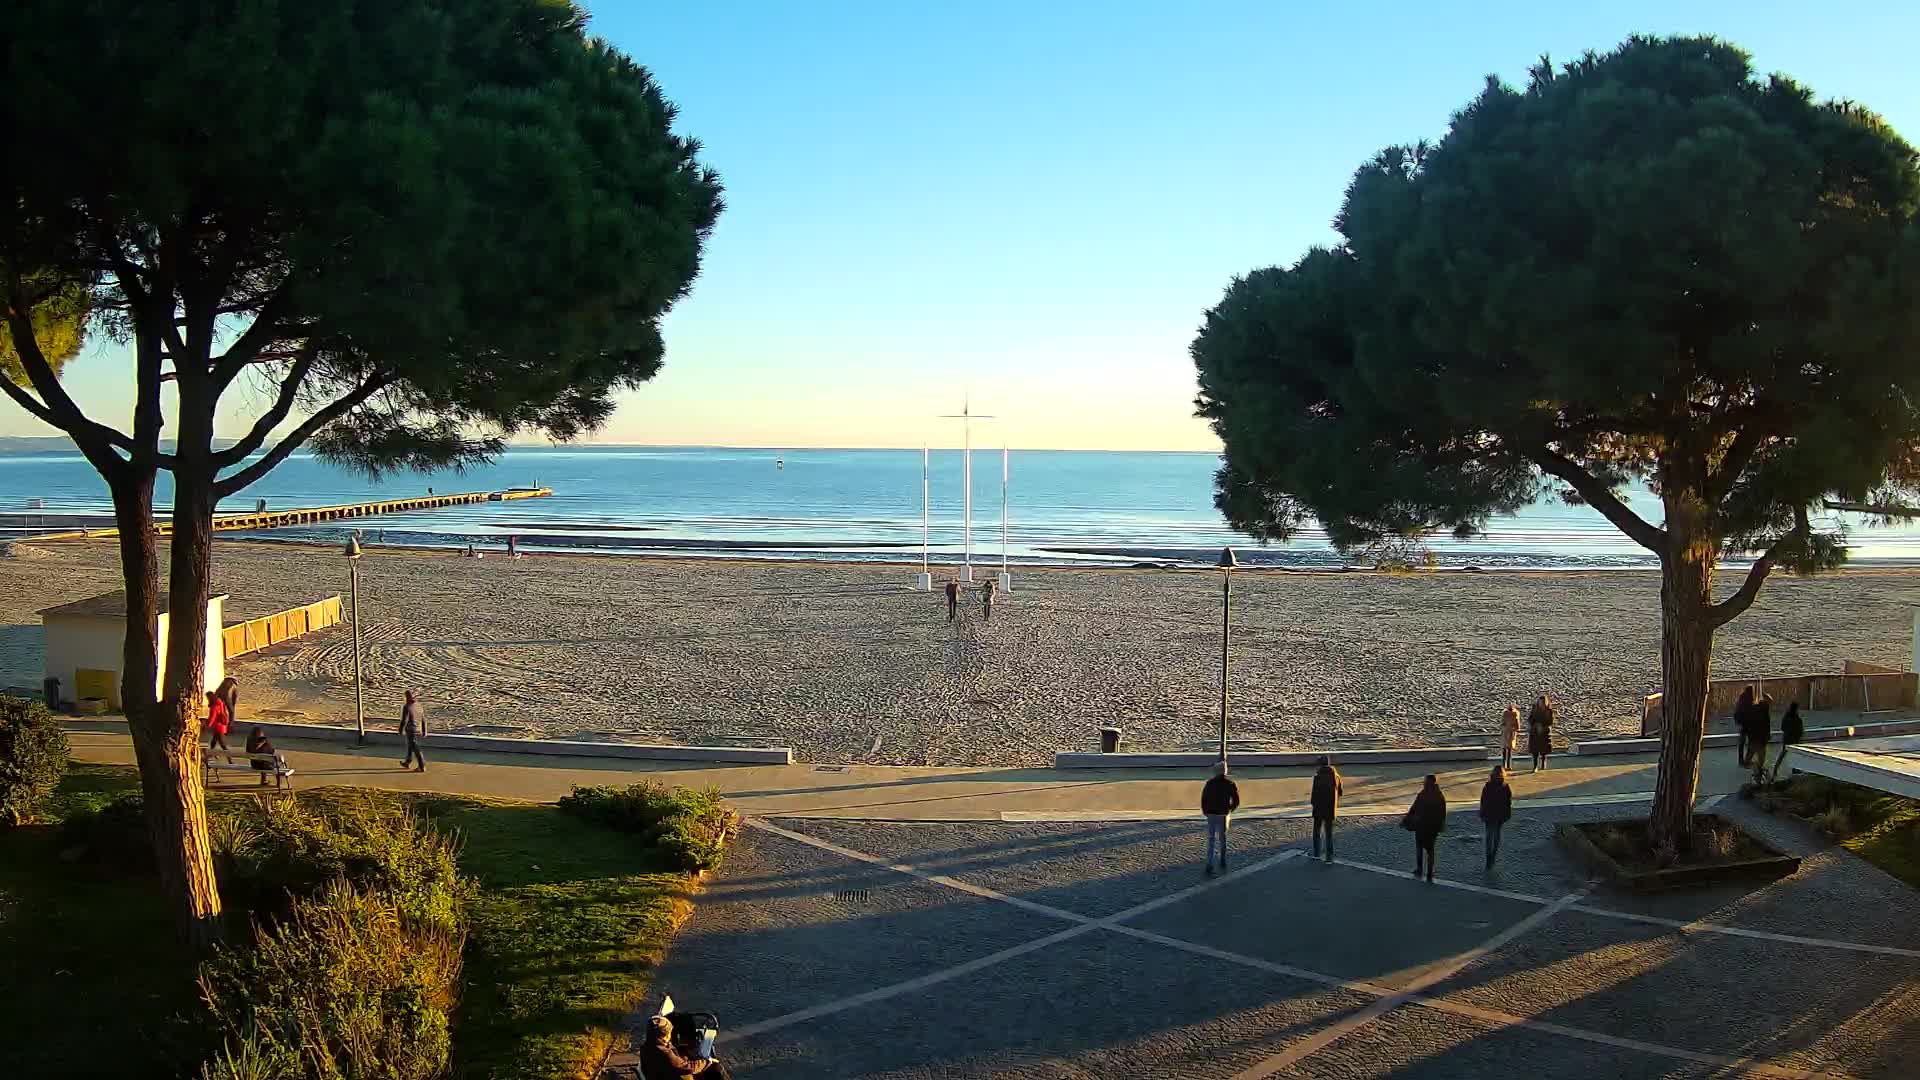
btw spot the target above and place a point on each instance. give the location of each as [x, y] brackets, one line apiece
[1109, 740]
[51, 688]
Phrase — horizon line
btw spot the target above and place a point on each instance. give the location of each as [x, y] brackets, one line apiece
[753, 446]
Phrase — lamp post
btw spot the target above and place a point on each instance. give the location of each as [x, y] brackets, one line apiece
[359, 693]
[1226, 564]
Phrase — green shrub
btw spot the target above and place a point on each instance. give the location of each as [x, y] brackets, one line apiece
[284, 849]
[1835, 822]
[33, 758]
[346, 986]
[114, 834]
[689, 827]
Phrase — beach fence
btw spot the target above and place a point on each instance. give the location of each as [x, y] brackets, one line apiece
[253, 635]
[1859, 687]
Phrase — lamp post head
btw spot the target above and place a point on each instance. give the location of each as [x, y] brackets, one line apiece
[1227, 559]
[352, 550]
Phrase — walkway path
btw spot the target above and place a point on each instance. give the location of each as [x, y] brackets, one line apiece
[952, 794]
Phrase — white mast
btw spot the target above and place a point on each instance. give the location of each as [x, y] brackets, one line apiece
[926, 503]
[967, 416]
[1006, 578]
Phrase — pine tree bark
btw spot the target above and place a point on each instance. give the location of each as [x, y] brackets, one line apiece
[1686, 652]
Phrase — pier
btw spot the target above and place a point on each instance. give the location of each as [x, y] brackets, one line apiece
[314, 515]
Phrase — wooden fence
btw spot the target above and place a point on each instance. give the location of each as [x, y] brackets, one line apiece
[253, 635]
[1860, 688]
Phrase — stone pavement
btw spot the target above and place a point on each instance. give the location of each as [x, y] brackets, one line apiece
[937, 794]
[839, 949]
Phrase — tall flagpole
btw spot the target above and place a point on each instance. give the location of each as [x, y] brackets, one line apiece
[926, 506]
[1006, 578]
[967, 416]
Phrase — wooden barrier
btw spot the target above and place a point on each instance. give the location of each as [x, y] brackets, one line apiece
[1858, 689]
[256, 634]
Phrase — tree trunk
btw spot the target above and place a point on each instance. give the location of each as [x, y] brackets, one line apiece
[1686, 651]
[179, 824]
[165, 736]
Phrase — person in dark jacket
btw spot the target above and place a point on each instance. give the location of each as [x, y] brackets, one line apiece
[1496, 809]
[1792, 730]
[1425, 820]
[229, 691]
[661, 1060]
[953, 600]
[1218, 799]
[1326, 804]
[259, 746]
[1743, 724]
[1760, 735]
[1540, 732]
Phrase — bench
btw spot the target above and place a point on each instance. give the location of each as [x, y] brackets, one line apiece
[216, 762]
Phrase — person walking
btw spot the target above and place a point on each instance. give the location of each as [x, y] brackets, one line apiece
[1509, 735]
[986, 601]
[1761, 735]
[953, 600]
[219, 721]
[413, 724]
[229, 691]
[1326, 804]
[1496, 809]
[1792, 730]
[1743, 725]
[1540, 732]
[1218, 799]
[1425, 820]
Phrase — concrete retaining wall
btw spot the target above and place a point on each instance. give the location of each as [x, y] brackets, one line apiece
[1273, 759]
[385, 735]
[1821, 734]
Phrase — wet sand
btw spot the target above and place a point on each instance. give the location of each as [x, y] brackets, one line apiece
[845, 664]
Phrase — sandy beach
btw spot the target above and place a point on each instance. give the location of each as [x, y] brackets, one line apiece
[845, 664]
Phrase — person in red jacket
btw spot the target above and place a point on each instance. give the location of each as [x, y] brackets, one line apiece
[1218, 799]
[219, 720]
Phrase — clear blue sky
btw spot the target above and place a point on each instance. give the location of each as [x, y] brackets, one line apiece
[1036, 202]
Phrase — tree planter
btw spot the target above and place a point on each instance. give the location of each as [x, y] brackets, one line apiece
[1755, 859]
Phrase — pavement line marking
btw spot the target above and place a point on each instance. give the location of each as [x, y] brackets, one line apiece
[916, 872]
[1379, 1007]
[909, 986]
[1085, 925]
[1697, 926]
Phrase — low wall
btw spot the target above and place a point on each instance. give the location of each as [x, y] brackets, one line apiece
[1853, 690]
[253, 635]
[1268, 759]
[385, 735]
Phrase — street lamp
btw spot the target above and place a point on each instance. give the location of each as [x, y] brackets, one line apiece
[359, 694]
[1226, 564]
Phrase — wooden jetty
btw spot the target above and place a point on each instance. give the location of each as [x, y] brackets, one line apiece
[313, 515]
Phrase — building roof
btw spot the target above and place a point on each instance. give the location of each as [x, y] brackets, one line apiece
[111, 605]
[1890, 764]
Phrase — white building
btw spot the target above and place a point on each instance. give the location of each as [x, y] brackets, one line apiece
[86, 641]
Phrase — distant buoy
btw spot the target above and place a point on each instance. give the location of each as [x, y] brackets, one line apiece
[779, 463]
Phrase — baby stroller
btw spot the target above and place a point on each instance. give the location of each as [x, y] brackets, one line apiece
[693, 1034]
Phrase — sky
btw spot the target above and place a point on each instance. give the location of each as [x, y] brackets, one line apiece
[1030, 206]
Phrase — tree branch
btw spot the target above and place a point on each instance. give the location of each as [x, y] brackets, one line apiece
[1746, 443]
[1733, 606]
[1601, 498]
[264, 330]
[238, 482]
[95, 440]
[274, 416]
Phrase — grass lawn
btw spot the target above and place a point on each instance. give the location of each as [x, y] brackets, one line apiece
[1880, 828]
[569, 922]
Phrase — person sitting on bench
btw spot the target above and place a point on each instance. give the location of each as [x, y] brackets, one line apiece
[661, 1060]
[258, 746]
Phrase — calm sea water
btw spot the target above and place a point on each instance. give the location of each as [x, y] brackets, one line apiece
[1064, 507]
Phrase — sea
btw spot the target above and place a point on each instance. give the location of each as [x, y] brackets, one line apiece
[1068, 507]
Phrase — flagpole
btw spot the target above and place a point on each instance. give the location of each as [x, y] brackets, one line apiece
[926, 500]
[966, 425]
[1006, 578]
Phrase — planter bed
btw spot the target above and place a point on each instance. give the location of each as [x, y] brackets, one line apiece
[1617, 851]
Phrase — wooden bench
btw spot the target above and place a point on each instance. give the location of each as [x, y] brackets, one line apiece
[216, 762]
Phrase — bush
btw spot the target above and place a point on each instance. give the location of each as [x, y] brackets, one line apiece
[1835, 822]
[286, 849]
[688, 826]
[113, 835]
[347, 985]
[33, 758]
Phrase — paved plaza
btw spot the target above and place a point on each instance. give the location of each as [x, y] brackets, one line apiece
[841, 948]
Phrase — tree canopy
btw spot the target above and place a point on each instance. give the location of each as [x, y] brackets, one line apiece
[1645, 265]
[421, 225]
[1648, 264]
